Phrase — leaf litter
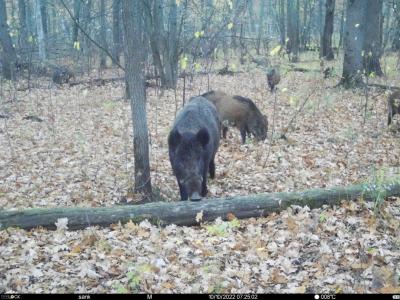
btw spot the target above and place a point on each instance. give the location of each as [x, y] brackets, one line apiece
[82, 155]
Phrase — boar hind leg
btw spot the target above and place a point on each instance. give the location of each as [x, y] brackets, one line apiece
[224, 131]
[243, 134]
[212, 168]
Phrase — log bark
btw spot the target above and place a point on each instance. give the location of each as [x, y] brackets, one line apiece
[184, 212]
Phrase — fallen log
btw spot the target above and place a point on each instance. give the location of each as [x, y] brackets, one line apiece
[384, 87]
[184, 212]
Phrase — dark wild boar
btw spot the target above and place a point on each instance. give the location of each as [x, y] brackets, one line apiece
[393, 105]
[193, 143]
[62, 75]
[240, 112]
[273, 78]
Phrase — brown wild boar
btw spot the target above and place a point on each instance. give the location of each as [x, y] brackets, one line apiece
[240, 112]
[393, 105]
[274, 78]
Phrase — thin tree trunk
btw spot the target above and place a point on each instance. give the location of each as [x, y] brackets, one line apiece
[386, 27]
[103, 32]
[75, 29]
[9, 56]
[373, 37]
[134, 71]
[116, 29]
[293, 30]
[396, 37]
[154, 23]
[327, 51]
[23, 37]
[260, 22]
[282, 22]
[341, 28]
[171, 59]
[40, 31]
[353, 44]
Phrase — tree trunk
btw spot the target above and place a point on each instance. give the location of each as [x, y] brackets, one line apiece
[23, 36]
[293, 30]
[341, 32]
[43, 13]
[260, 26]
[171, 59]
[40, 31]
[75, 29]
[154, 23]
[134, 71]
[9, 56]
[103, 32]
[320, 22]
[327, 51]
[282, 22]
[303, 40]
[386, 24]
[396, 37]
[116, 29]
[353, 44]
[373, 37]
[186, 212]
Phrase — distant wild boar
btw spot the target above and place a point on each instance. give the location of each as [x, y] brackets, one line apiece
[62, 75]
[193, 143]
[393, 105]
[273, 78]
[241, 112]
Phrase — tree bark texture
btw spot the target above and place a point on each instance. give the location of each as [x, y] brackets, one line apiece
[327, 51]
[134, 71]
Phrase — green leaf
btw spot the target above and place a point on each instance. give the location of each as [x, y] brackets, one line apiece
[322, 218]
[234, 223]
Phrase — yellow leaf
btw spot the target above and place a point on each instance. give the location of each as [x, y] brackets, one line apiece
[230, 25]
[76, 249]
[197, 34]
[178, 2]
[197, 67]
[301, 289]
[183, 62]
[275, 51]
[233, 67]
[77, 45]
[168, 286]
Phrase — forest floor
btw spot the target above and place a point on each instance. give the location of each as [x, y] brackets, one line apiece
[81, 154]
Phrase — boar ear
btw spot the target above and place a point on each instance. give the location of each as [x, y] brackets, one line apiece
[174, 138]
[203, 137]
